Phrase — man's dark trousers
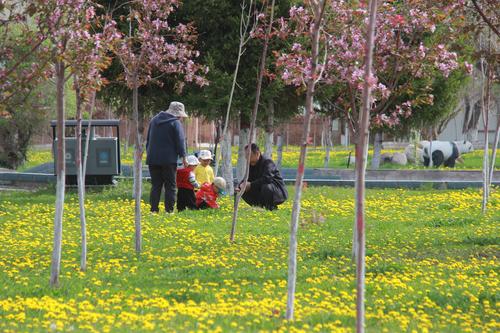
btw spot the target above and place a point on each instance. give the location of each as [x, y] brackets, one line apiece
[162, 176]
[267, 196]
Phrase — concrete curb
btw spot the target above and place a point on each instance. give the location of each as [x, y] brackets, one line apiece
[413, 179]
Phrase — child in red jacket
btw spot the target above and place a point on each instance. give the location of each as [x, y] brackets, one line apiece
[206, 197]
[186, 183]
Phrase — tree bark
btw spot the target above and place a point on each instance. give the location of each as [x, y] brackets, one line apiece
[431, 162]
[324, 129]
[79, 176]
[328, 141]
[485, 112]
[109, 130]
[137, 166]
[196, 133]
[127, 134]
[287, 136]
[495, 144]
[415, 138]
[244, 23]
[55, 267]
[252, 122]
[89, 130]
[269, 136]
[355, 244]
[318, 9]
[227, 165]
[377, 150]
[360, 171]
[279, 150]
[244, 137]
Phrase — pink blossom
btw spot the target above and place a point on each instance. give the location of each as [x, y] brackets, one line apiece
[468, 67]
[296, 47]
[89, 13]
[396, 59]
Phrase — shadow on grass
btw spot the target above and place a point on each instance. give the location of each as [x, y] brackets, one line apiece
[451, 222]
[481, 241]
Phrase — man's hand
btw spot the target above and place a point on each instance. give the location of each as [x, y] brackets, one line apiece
[184, 162]
[245, 189]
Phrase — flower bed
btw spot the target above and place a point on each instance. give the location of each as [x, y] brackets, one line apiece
[432, 265]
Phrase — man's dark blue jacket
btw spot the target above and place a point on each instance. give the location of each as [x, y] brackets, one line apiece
[165, 140]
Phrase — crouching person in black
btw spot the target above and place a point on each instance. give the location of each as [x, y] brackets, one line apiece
[265, 186]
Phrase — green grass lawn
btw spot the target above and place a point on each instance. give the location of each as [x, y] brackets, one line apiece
[432, 265]
[315, 159]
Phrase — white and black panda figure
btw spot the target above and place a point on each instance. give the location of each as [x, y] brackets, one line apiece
[444, 152]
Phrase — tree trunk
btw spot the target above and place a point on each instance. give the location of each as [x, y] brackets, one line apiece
[109, 130]
[318, 9]
[127, 135]
[355, 226]
[495, 145]
[328, 140]
[287, 136]
[137, 167]
[346, 142]
[217, 143]
[415, 138]
[314, 126]
[196, 133]
[485, 112]
[79, 176]
[252, 130]
[55, 267]
[279, 150]
[324, 129]
[269, 136]
[244, 21]
[377, 150]
[431, 162]
[227, 165]
[244, 137]
[89, 130]
[360, 172]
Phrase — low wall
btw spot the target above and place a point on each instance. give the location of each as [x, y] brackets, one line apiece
[430, 175]
[441, 179]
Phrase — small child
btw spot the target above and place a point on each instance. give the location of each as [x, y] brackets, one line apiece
[207, 195]
[186, 183]
[203, 172]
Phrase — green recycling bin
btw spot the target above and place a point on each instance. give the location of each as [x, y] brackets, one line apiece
[103, 160]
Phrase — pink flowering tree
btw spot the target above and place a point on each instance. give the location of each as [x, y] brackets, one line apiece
[87, 58]
[487, 10]
[410, 42]
[58, 31]
[403, 52]
[303, 68]
[25, 67]
[16, 77]
[149, 47]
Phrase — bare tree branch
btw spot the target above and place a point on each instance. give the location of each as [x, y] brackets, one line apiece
[485, 18]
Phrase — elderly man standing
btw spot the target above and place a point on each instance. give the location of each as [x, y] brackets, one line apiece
[164, 144]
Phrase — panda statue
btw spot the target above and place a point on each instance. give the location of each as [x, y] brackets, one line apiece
[444, 152]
